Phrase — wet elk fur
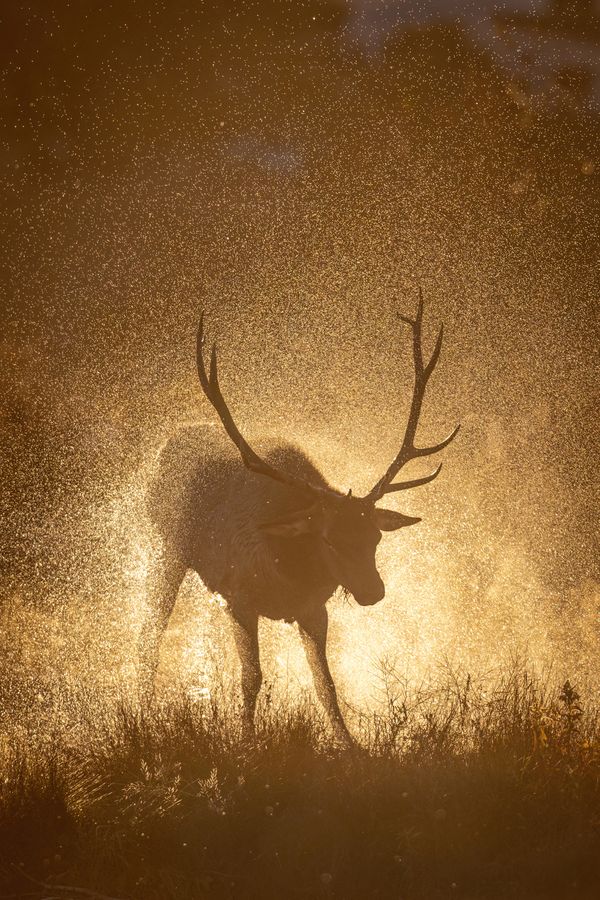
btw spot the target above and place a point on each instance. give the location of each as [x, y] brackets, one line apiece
[268, 533]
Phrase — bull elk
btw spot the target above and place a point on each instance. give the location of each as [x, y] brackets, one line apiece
[271, 536]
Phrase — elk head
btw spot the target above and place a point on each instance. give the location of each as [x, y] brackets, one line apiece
[346, 529]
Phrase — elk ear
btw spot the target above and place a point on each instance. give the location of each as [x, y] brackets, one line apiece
[389, 520]
[301, 521]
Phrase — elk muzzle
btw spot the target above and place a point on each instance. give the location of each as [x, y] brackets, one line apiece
[368, 594]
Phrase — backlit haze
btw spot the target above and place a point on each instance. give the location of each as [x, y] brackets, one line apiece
[298, 171]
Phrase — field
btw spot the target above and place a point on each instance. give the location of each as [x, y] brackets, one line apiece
[456, 789]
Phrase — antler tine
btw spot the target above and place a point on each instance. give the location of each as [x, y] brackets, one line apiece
[212, 390]
[199, 357]
[408, 451]
[435, 448]
[407, 320]
[415, 323]
[416, 482]
[436, 352]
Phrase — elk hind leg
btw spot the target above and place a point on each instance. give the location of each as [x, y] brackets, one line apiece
[164, 581]
[245, 632]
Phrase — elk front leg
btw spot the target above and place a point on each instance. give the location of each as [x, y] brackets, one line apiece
[164, 581]
[245, 632]
[313, 630]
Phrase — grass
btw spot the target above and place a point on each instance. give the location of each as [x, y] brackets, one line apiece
[455, 790]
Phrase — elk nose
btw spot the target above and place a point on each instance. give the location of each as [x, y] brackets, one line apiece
[371, 596]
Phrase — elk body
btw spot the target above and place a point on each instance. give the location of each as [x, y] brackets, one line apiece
[269, 534]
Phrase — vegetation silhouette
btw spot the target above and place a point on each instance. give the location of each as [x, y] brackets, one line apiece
[463, 788]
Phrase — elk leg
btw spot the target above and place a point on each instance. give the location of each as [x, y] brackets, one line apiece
[313, 631]
[245, 632]
[164, 583]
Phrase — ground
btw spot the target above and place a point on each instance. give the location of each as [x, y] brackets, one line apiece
[454, 790]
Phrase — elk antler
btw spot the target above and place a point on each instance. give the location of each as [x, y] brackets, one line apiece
[210, 386]
[408, 450]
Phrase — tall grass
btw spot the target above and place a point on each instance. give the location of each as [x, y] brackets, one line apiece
[455, 789]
